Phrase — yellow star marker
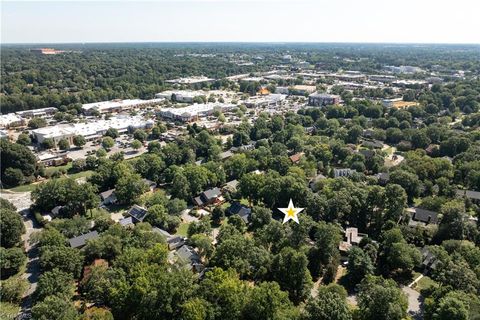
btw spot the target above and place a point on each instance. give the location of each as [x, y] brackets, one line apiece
[291, 213]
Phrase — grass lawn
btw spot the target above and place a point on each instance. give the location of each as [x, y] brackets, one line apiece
[81, 174]
[424, 283]
[66, 167]
[182, 229]
[24, 188]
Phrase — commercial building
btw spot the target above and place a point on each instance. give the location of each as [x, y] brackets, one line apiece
[194, 111]
[90, 130]
[268, 100]
[191, 80]
[118, 105]
[382, 78]
[37, 113]
[186, 96]
[301, 90]
[322, 99]
[11, 120]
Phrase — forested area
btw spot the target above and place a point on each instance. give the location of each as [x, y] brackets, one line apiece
[91, 73]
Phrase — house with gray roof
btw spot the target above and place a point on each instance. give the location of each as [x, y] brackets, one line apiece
[81, 240]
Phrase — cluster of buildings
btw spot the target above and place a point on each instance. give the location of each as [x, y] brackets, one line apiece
[118, 105]
[91, 130]
[20, 118]
[195, 111]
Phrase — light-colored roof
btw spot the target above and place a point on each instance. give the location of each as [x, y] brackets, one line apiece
[95, 127]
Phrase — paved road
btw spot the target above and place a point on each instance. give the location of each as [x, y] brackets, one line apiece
[33, 266]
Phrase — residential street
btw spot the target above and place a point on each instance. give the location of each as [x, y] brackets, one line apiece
[22, 202]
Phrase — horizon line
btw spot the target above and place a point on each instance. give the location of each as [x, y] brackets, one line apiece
[241, 42]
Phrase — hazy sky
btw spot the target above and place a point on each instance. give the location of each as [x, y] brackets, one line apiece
[432, 21]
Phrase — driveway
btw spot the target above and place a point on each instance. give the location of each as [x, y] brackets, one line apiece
[415, 301]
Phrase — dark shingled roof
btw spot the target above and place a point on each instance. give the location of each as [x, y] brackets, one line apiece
[241, 210]
[426, 216]
[81, 240]
[138, 213]
[468, 194]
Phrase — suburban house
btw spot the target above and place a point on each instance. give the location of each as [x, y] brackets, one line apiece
[372, 144]
[423, 217]
[474, 196]
[173, 241]
[429, 259]
[243, 211]
[81, 240]
[313, 182]
[187, 256]
[296, 157]
[137, 213]
[352, 237]
[231, 186]
[150, 184]
[225, 155]
[383, 178]
[208, 197]
[343, 172]
[108, 197]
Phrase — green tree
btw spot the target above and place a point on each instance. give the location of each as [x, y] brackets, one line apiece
[108, 143]
[11, 260]
[289, 269]
[267, 301]
[140, 135]
[330, 303]
[54, 308]
[13, 177]
[359, 265]
[129, 188]
[79, 141]
[66, 259]
[24, 139]
[11, 227]
[36, 123]
[63, 144]
[48, 143]
[57, 283]
[112, 133]
[13, 289]
[136, 144]
[381, 299]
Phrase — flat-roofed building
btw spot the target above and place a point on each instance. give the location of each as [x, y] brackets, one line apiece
[191, 80]
[322, 99]
[301, 90]
[186, 96]
[268, 100]
[91, 130]
[194, 111]
[118, 105]
[11, 120]
[37, 113]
